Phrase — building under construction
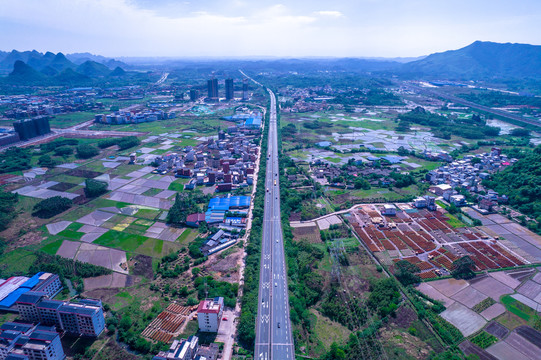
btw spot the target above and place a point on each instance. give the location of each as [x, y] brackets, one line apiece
[31, 128]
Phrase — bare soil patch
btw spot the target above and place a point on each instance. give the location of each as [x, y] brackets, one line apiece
[226, 269]
[142, 265]
[308, 233]
[405, 316]
[469, 348]
[497, 330]
[62, 186]
[88, 174]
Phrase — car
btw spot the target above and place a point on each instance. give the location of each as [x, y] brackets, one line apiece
[278, 324]
[275, 284]
[224, 319]
[276, 240]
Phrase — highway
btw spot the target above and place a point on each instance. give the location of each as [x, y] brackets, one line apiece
[273, 327]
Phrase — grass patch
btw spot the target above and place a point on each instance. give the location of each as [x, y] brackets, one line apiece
[453, 221]
[68, 179]
[147, 214]
[124, 169]
[152, 192]
[483, 305]
[16, 262]
[191, 329]
[152, 247]
[101, 203]
[66, 120]
[328, 331]
[178, 185]
[52, 248]
[187, 235]
[70, 234]
[484, 340]
[516, 307]
[120, 240]
[332, 159]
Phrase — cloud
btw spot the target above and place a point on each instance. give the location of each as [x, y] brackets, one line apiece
[330, 13]
[240, 27]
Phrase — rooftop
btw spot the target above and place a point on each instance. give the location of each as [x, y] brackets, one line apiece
[210, 306]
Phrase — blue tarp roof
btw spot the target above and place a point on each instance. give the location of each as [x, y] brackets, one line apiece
[9, 300]
[33, 281]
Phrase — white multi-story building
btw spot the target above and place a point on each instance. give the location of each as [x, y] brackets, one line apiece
[83, 318]
[209, 314]
[32, 342]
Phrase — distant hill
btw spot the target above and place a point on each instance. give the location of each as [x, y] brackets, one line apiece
[59, 61]
[70, 77]
[92, 69]
[25, 74]
[117, 72]
[480, 60]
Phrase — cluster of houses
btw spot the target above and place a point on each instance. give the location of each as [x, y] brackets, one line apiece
[226, 163]
[27, 106]
[133, 117]
[468, 173]
[228, 214]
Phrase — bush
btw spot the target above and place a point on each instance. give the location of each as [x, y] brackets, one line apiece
[52, 206]
[95, 188]
[63, 151]
[7, 208]
[123, 143]
[85, 151]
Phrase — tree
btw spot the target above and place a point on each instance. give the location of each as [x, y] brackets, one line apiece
[384, 296]
[86, 151]
[361, 183]
[520, 132]
[95, 188]
[184, 205]
[406, 272]
[46, 161]
[463, 268]
[52, 206]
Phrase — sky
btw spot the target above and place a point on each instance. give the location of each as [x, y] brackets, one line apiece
[261, 28]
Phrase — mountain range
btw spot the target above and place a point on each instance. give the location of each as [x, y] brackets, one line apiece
[58, 62]
[480, 60]
[477, 61]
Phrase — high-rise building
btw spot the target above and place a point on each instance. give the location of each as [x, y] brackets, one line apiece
[245, 90]
[194, 94]
[229, 89]
[212, 86]
[30, 128]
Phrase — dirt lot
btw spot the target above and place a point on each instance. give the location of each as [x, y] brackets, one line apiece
[497, 330]
[225, 269]
[469, 348]
[88, 174]
[308, 233]
[411, 344]
[62, 186]
[142, 265]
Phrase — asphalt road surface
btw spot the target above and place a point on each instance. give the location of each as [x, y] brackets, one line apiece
[273, 327]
